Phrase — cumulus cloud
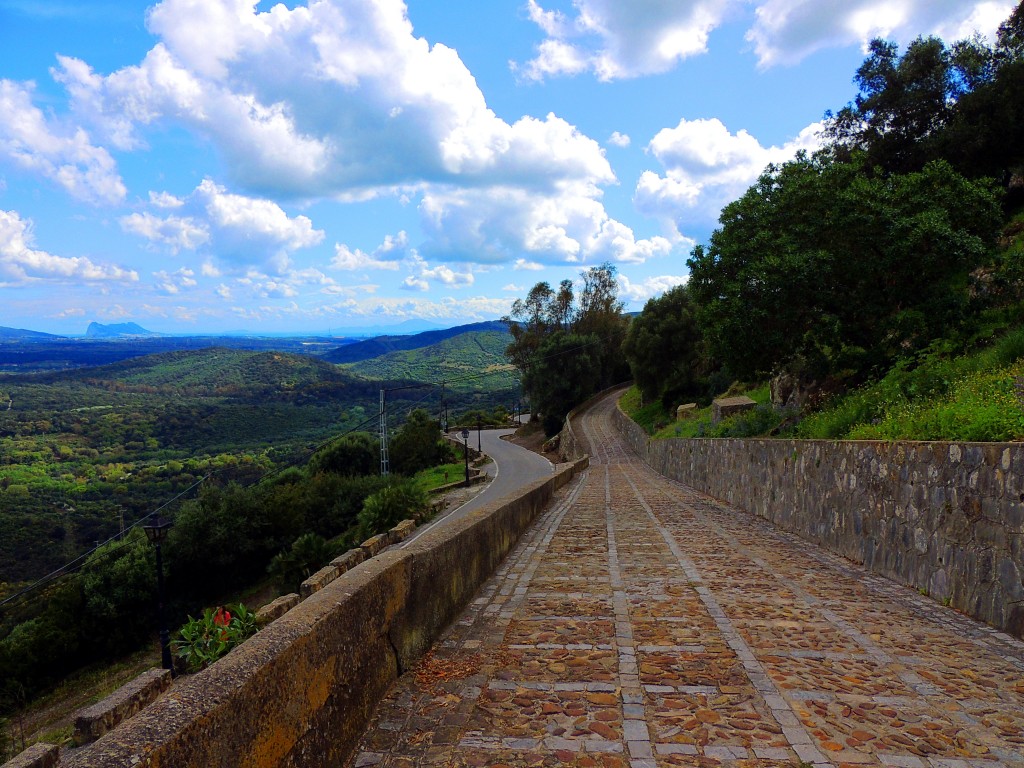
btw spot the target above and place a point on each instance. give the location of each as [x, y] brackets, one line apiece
[384, 256]
[62, 153]
[240, 229]
[619, 139]
[20, 263]
[402, 111]
[787, 31]
[616, 40]
[172, 283]
[648, 288]
[568, 226]
[423, 275]
[707, 166]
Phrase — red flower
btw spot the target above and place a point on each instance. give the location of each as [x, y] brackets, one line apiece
[222, 617]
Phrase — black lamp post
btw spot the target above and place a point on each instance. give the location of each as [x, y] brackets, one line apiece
[465, 444]
[479, 429]
[156, 532]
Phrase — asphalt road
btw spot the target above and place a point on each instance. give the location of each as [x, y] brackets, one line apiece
[511, 467]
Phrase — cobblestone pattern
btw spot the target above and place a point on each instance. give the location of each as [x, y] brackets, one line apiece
[947, 518]
[640, 624]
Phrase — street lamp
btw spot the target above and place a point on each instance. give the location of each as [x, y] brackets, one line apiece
[156, 532]
[465, 444]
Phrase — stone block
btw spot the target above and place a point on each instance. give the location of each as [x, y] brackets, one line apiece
[373, 545]
[94, 721]
[404, 530]
[318, 580]
[349, 560]
[37, 756]
[724, 407]
[686, 411]
[276, 609]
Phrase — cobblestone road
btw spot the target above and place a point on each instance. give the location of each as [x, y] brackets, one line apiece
[641, 624]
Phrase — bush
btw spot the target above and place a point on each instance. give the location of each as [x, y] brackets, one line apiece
[387, 507]
[307, 554]
[202, 641]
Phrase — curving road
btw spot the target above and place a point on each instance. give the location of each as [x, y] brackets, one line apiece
[511, 467]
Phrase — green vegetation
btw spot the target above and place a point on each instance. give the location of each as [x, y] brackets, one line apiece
[567, 349]
[202, 641]
[233, 435]
[473, 364]
[879, 283]
[936, 396]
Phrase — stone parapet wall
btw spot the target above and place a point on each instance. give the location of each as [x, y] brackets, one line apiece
[945, 518]
[300, 691]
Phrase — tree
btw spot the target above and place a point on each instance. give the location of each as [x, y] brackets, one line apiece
[545, 315]
[664, 347]
[565, 374]
[821, 268]
[357, 453]
[417, 444]
[903, 101]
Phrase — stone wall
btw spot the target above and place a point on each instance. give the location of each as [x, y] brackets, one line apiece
[945, 518]
[300, 691]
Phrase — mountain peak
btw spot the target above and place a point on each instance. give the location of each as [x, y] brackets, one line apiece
[116, 331]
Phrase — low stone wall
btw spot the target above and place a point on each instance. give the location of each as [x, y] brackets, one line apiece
[946, 518]
[299, 692]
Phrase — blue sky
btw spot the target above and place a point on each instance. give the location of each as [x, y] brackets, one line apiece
[211, 165]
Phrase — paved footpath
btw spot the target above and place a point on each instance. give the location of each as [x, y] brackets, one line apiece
[639, 623]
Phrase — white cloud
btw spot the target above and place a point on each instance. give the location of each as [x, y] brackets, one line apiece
[176, 232]
[787, 31]
[423, 275]
[240, 229]
[619, 139]
[513, 288]
[649, 287]
[172, 283]
[384, 256]
[20, 263]
[61, 153]
[529, 266]
[706, 167]
[566, 226]
[402, 111]
[616, 39]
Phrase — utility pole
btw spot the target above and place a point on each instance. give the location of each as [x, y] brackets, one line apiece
[479, 429]
[383, 434]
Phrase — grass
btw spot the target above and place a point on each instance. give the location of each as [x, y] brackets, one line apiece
[435, 477]
[977, 396]
[662, 425]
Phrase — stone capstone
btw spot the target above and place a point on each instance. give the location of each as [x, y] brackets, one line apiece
[37, 756]
[724, 407]
[94, 721]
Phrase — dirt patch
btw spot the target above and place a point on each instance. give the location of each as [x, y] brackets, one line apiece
[531, 437]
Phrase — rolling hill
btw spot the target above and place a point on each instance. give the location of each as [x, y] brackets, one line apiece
[471, 361]
[384, 345]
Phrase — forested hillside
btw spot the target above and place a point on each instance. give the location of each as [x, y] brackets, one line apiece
[384, 345]
[472, 362]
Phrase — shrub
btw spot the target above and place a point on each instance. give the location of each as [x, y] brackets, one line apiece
[388, 506]
[307, 554]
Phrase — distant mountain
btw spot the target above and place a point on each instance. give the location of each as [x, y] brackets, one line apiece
[383, 345]
[117, 331]
[20, 334]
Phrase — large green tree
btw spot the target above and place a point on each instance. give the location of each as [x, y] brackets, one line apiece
[822, 268]
[664, 347]
[546, 315]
